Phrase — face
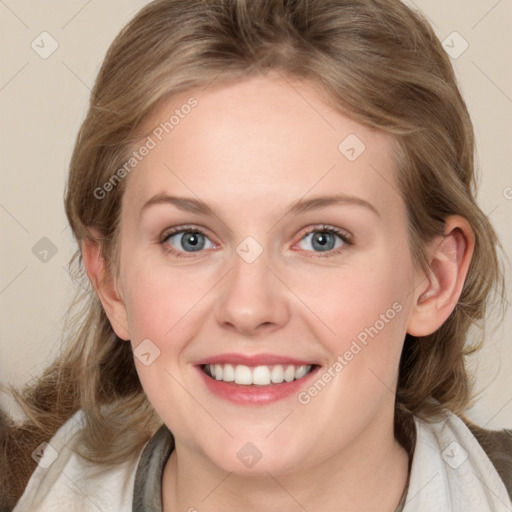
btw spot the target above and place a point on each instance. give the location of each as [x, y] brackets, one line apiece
[260, 235]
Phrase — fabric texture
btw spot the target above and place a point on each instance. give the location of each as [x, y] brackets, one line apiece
[498, 447]
[450, 471]
[147, 491]
[64, 481]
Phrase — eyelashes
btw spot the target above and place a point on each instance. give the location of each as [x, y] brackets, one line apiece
[193, 240]
[323, 241]
[198, 241]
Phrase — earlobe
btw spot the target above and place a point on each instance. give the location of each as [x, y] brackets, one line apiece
[438, 291]
[104, 285]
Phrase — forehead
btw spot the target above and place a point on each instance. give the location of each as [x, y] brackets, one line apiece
[260, 138]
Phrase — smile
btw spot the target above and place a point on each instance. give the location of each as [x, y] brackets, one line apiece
[264, 375]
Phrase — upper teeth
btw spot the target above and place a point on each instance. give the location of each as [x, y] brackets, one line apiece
[259, 375]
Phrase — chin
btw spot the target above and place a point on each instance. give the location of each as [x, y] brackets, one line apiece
[255, 458]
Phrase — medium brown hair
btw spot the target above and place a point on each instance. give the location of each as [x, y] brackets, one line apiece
[376, 61]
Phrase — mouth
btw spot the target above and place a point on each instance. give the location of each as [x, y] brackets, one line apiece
[261, 375]
[255, 379]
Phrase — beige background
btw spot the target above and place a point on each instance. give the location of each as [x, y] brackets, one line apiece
[42, 102]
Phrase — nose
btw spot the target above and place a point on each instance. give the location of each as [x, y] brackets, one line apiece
[252, 299]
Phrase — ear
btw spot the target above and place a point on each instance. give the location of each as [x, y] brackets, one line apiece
[104, 284]
[438, 292]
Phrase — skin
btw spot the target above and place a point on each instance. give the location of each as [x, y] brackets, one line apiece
[249, 150]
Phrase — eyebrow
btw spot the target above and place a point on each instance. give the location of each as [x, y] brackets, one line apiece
[192, 205]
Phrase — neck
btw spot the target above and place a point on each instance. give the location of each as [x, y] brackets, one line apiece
[370, 474]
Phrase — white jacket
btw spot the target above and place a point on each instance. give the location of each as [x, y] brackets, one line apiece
[450, 472]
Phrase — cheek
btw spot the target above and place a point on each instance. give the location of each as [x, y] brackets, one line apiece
[367, 314]
[362, 310]
[160, 301]
[148, 304]
[160, 305]
[370, 286]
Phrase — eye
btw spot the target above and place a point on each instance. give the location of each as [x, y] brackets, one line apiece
[325, 239]
[186, 240]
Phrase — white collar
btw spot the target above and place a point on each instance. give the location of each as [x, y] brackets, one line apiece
[451, 472]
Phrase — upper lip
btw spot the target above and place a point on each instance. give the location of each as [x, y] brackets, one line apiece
[253, 360]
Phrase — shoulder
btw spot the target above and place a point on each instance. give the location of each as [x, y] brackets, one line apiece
[469, 460]
[497, 444]
[64, 480]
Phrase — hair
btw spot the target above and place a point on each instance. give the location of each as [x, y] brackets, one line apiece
[376, 61]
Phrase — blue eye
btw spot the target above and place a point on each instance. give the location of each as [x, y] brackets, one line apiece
[325, 239]
[187, 240]
[182, 242]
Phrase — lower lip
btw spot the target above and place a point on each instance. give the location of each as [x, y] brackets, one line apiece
[253, 394]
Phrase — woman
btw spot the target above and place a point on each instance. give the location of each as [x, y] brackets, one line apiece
[274, 205]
